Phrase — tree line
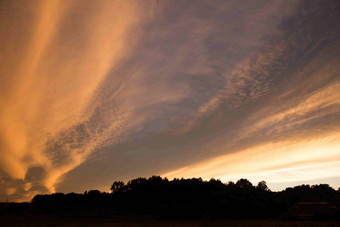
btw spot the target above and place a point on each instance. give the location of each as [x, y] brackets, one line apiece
[195, 198]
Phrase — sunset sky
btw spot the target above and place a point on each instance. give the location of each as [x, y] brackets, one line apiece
[97, 91]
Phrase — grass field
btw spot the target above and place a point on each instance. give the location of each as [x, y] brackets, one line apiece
[53, 220]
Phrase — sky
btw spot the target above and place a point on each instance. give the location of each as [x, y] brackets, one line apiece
[97, 91]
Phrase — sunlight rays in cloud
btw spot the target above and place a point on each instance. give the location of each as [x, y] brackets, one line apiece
[23, 76]
[72, 49]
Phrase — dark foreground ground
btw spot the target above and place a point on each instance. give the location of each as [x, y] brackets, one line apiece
[54, 220]
[157, 201]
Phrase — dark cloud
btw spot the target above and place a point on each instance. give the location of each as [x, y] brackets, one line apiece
[269, 82]
[23, 189]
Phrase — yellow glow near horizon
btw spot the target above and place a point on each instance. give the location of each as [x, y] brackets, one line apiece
[274, 162]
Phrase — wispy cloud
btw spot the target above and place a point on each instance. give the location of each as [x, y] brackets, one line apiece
[268, 93]
[70, 52]
[275, 108]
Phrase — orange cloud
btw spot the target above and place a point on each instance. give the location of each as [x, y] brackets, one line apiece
[54, 84]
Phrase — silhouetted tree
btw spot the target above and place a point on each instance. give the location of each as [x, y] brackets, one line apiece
[117, 185]
[244, 184]
[262, 185]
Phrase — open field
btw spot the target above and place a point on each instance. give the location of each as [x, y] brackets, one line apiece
[53, 220]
